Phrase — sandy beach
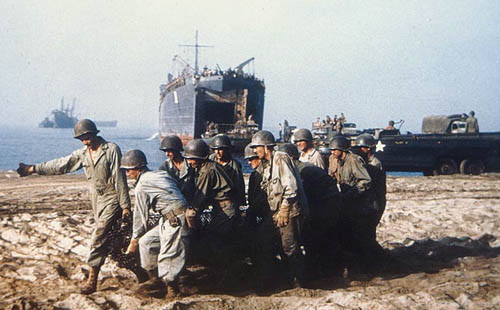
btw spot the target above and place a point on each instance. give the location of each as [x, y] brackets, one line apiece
[445, 227]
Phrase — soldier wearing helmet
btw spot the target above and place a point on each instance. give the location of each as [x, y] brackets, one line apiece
[365, 145]
[324, 204]
[100, 161]
[213, 187]
[308, 154]
[175, 164]
[214, 203]
[287, 203]
[162, 247]
[221, 146]
[356, 215]
[390, 126]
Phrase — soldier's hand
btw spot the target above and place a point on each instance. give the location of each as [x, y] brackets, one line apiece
[283, 216]
[125, 213]
[190, 215]
[132, 247]
[25, 170]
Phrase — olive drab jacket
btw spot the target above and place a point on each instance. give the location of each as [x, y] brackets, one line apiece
[155, 191]
[108, 183]
[379, 186]
[351, 174]
[283, 184]
[212, 185]
[257, 196]
[235, 172]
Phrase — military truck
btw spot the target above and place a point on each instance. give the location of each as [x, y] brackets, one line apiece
[443, 147]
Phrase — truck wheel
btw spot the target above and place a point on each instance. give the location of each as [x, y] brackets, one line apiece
[472, 166]
[446, 167]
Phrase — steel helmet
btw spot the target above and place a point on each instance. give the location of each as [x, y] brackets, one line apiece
[290, 149]
[250, 152]
[196, 149]
[365, 140]
[134, 159]
[302, 134]
[221, 141]
[84, 126]
[263, 138]
[339, 143]
[171, 143]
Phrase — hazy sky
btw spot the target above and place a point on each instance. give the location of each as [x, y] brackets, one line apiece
[372, 60]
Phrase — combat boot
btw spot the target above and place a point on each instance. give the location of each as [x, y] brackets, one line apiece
[91, 284]
[172, 290]
[297, 273]
[152, 287]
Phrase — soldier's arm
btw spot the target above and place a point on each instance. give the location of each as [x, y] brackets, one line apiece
[318, 161]
[363, 179]
[241, 185]
[287, 178]
[140, 214]
[67, 164]
[119, 178]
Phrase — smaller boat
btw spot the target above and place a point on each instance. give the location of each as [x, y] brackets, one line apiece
[106, 123]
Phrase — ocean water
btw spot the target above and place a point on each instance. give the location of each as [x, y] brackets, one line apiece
[32, 145]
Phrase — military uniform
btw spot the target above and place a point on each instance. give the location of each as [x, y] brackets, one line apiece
[214, 188]
[352, 177]
[357, 214]
[313, 157]
[108, 190]
[284, 189]
[183, 176]
[234, 171]
[379, 187]
[324, 203]
[164, 245]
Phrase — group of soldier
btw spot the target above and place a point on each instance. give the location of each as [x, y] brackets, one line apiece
[312, 219]
[335, 123]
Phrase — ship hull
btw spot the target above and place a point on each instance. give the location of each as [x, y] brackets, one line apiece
[221, 100]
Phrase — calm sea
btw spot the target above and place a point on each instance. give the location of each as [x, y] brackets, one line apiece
[34, 145]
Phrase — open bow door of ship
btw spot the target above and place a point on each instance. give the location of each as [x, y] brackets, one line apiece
[222, 112]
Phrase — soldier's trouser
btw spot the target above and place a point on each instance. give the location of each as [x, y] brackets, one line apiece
[100, 246]
[165, 246]
[358, 236]
[289, 237]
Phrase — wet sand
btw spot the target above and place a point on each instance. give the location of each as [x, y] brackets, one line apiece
[445, 227]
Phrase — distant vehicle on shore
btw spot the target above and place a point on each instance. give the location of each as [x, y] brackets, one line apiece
[443, 148]
[60, 118]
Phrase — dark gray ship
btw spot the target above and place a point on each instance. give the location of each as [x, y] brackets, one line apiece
[203, 104]
[60, 118]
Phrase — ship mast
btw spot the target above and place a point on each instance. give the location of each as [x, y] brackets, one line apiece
[196, 52]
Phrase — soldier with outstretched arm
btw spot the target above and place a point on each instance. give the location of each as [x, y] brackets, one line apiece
[100, 161]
